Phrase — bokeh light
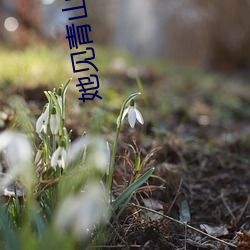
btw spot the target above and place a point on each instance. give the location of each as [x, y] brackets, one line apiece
[47, 2]
[11, 24]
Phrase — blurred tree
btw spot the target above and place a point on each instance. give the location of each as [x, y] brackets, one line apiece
[229, 34]
[28, 18]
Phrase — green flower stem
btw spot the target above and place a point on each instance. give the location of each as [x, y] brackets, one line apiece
[47, 137]
[61, 112]
[112, 163]
[65, 87]
[54, 142]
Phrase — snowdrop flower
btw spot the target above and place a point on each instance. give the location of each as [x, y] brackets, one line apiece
[54, 121]
[42, 122]
[79, 214]
[17, 152]
[59, 157]
[133, 114]
[98, 152]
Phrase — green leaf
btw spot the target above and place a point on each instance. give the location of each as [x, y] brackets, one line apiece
[129, 190]
[10, 236]
[185, 212]
[122, 209]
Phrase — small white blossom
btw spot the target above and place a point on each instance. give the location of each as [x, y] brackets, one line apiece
[98, 152]
[54, 121]
[42, 122]
[59, 157]
[17, 152]
[79, 214]
[133, 114]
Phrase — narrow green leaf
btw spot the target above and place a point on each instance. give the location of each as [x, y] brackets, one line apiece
[65, 87]
[39, 222]
[185, 212]
[122, 209]
[10, 236]
[128, 191]
[138, 163]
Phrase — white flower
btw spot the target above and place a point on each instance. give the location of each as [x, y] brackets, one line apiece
[79, 214]
[133, 114]
[42, 122]
[98, 152]
[59, 157]
[54, 121]
[17, 152]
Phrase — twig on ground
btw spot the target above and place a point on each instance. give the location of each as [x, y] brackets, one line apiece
[184, 224]
[227, 207]
[173, 202]
[116, 246]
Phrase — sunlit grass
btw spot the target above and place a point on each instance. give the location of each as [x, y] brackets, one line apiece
[34, 66]
[37, 65]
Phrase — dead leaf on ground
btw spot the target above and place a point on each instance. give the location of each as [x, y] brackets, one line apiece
[245, 236]
[215, 231]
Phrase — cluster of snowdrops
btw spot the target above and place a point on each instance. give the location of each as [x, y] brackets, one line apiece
[66, 186]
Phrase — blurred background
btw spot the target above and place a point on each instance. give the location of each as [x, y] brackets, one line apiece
[212, 34]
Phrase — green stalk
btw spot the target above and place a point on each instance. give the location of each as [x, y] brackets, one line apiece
[112, 163]
[47, 138]
[54, 142]
[65, 87]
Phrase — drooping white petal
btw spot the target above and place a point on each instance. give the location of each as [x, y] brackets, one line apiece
[63, 159]
[98, 152]
[55, 156]
[132, 117]
[46, 112]
[101, 154]
[18, 156]
[77, 148]
[61, 163]
[42, 121]
[59, 157]
[139, 116]
[5, 139]
[19, 151]
[125, 112]
[39, 123]
[79, 214]
[54, 124]
[44, 127]
[123, 115]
